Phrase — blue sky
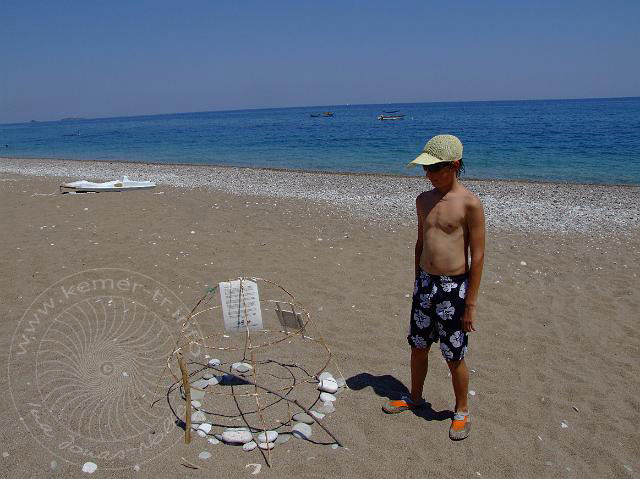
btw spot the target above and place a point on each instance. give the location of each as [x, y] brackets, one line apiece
[117, 58]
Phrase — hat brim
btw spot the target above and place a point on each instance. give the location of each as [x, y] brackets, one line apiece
[425, 159]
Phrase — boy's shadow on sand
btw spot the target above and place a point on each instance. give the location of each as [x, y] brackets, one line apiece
[389, 387]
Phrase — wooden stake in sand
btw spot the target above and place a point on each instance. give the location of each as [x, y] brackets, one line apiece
[187, 395]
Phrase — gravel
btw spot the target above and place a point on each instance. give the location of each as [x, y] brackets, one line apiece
[385, 199]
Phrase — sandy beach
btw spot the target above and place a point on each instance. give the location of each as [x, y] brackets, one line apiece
[555, 361]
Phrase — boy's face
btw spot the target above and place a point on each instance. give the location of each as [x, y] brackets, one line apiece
[441, 174]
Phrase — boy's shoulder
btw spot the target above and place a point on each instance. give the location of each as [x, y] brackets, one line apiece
[425, 195]
[469, 196]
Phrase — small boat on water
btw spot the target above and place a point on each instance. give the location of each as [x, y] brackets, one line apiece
[324, 113]
[125, 184]
[391, 117]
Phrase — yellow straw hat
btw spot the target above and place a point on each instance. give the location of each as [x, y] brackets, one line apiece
[438, 149]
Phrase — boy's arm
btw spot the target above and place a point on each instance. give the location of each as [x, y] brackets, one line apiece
[475, 222]
[418, 252]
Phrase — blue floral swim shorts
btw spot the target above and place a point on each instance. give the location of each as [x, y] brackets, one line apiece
[436, 314]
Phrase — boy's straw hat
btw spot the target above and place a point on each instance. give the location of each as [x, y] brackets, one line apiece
[438, 149]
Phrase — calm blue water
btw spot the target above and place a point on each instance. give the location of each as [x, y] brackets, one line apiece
[580, 141]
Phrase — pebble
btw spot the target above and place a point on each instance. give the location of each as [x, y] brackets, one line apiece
[198, 416]
[334, 446]
[564, 425]
[200, 383]
[266, 445]
[303, 417]
[207, 375]
[213, 381]
[236, 436]
[89, 467]
[283, 437]
[249, 446]
[204, 455]
[523, 263]
[241, 367]
[196, 403]
[472, 393]
[328, 385]
[196, 394]
[205, 427]
[270, 436]
[325, 397]
[301, 430]
[316, 414]
[325, 375]
[213, 440]
[201, 433]
[214, 362]
[326, 408]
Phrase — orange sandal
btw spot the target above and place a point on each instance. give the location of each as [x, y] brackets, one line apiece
[460, 426]
[400, 405]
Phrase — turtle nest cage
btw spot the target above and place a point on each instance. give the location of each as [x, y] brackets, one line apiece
[251, 370]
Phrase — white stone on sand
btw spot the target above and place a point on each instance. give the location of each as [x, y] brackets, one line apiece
[236, 436]
[326, 408]
[249, 446]
[89, 467]
[206, 427]
[198, 416]
[213, 381]
[270, 436]
[283, 437]
[241, 367]
[213, 440]
[204, 455]
[303, 417]
[196, 403]
[327, 397]
[196, 394]
[266, 445]
[328, 385]
[325, 375]
[200, 383]
[316, 414]
[214, 362]
[301, 430]
[201, 433]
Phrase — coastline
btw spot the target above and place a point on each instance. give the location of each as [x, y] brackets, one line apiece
[523, 206]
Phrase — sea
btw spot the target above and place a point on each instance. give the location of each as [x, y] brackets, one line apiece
[594, 141]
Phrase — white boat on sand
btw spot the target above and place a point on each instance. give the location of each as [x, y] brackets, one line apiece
[125, 184]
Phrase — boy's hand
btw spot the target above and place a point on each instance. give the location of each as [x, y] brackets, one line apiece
[468, 318]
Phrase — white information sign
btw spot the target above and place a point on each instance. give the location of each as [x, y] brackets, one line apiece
[240, 305]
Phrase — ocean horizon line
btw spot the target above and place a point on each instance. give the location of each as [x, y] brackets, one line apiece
[71, 119]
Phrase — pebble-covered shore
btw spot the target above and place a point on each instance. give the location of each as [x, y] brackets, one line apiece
[513, 205]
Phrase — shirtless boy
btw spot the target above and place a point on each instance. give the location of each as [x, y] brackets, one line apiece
[449, 257]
